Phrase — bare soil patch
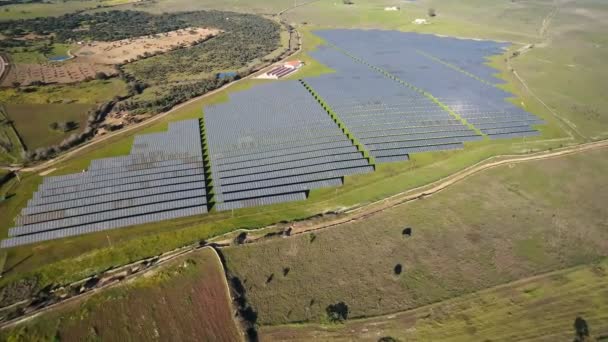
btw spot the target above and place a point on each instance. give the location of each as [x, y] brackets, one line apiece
[69, 72]
[131, 49]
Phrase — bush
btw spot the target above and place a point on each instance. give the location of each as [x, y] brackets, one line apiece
[337, 312]
[101, 75]
[432, 12]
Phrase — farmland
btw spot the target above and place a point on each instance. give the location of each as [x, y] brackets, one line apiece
[540, 308]
[186, 299]
[32, 121]
[49, 73]
[460, 242]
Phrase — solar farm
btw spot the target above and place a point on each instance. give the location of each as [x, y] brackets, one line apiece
[392, 95]
[163, 178]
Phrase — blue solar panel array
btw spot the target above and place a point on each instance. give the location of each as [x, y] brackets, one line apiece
[272, 144]
[452, 70]
[390, 119]
[163, 178]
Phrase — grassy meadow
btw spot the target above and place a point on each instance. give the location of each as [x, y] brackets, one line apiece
[32, 121]
[185, 300]
[541, 308]
[520, 220]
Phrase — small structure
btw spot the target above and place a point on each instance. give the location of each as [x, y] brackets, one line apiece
[391, 8]
[420, 21]
[226, 75]
[282, 70]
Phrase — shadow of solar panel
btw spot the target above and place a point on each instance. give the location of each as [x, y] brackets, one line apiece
[162, 178]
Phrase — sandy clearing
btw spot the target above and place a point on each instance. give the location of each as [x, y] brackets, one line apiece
[120, 51]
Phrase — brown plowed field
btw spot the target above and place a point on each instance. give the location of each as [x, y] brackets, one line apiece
[58, 72]
[185, 300]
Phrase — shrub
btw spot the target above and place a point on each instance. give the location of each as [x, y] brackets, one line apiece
[337, 312]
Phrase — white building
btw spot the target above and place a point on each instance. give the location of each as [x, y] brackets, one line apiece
[393, 8]
[420, 21]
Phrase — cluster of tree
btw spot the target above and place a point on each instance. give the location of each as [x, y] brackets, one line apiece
[17, 2]
[117, 25]
[63, 126]
[172, 95]
[245, 38]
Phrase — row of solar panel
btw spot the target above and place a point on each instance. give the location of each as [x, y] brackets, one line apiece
[46, 183]
[292, 172]
[291, 164]
[97, 217]
[128, 178]
[254, 202]
[101, 226]
[116, 190]
[267, 146]
[278, 190]
[126, 195]
[108, 206]
[301, 178]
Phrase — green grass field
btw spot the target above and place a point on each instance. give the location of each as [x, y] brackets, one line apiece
[541, 308]
[11, 149]
[53, 8]
[185, 300]
[84, 93]
[520, 220]
[32, 121]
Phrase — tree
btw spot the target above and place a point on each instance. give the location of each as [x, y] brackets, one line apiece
[16, 84]
[581, 330]
[67, 126]
[337, 312]
[100, 75]
[432, 12]
[348, 2]
[54, 126]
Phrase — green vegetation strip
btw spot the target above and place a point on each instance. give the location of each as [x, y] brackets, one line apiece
[454, 67]
[411, 86]
[339, 122]
[207, 164]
